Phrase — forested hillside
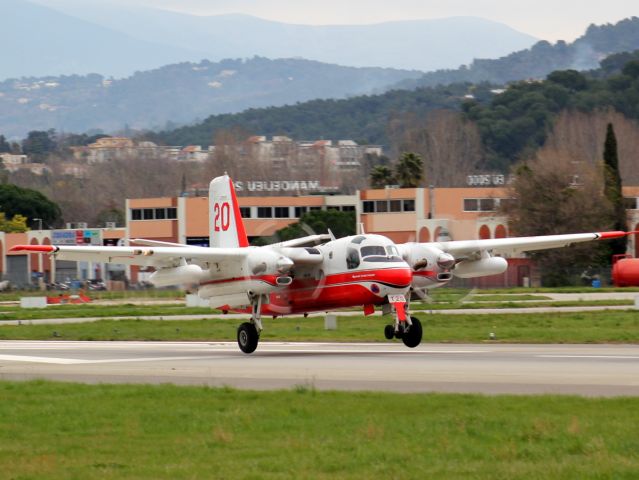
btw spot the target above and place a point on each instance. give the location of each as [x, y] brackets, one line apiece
[177, 94]
[510, 123]
[542, 58]
[521, 117]
[364, 118]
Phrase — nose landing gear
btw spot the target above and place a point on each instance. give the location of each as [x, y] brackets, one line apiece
[409, 329]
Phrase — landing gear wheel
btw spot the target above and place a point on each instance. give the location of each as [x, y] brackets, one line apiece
[247, 337]
[413, 336]
[389, 332]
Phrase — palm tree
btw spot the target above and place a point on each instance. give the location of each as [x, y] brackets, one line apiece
[381, 176]
[409, 170]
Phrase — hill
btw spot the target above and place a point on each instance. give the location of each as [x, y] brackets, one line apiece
[414, 44]
[584, 53]
[177, 94]
[510, 122]
[39, 41]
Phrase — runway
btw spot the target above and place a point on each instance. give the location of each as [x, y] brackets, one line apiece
[590, 370]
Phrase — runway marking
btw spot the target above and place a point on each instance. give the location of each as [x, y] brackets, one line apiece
[623, 357]
[77, 361]
[25, 358]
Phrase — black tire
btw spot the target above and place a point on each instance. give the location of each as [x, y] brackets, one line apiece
[389, 332]
[413, 336]
[247, 337]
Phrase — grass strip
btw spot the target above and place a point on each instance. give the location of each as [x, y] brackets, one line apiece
[608, 326]
[54, 430]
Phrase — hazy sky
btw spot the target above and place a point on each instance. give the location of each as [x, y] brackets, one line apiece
[549, 19]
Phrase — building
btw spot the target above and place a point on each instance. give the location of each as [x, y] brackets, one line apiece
[404, 215]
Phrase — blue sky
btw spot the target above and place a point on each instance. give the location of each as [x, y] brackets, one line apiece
[544, 19]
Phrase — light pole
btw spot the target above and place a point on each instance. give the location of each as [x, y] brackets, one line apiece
[39, 220]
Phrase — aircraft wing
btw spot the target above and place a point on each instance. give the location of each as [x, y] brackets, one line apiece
[513, 245]
[142, 256]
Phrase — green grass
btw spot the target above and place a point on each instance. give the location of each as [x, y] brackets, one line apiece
[68, 431]
[514, 304]
[10, 312]
[150, 294]
[610, 326]
[87, 310]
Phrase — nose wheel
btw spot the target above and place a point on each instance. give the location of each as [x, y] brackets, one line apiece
[411, 334]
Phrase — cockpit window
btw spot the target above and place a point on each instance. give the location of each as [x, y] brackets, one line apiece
[392, 251]
[374, 253]
[352, 258]
[359, 239]
[373, 250]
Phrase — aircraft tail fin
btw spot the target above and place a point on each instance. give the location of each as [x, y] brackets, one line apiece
[226, 228]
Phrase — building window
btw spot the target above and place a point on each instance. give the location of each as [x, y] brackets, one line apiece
[160, 213]
[315, 209]
[395, 205]
[245, 212]
[348, 208]
[136, 214]
[381, 206]
[332, 207]
[409, 205]
[281, 212]
[471, 205]
[368, 207]
[171, 213]
[299, 211]
[480, 204]
[487, 204]
[148, 213]
[264, 212]
[630, 203]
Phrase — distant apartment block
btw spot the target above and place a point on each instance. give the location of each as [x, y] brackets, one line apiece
[20, 162]
[278, 154]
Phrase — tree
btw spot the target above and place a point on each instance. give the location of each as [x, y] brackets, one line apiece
[409, 170]
[17, 224]
[449, 144]
[39, 143]
[556, 194]
[381, 176]
[612, 189]
[342, 224]
[29, 203]
[5, 147]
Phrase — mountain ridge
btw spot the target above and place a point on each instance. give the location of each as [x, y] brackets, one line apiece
[448, 42]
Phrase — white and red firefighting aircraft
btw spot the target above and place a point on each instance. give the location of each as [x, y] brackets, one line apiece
[314, 273]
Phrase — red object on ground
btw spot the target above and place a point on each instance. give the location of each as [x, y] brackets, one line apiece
[68, 298]
[625, 271]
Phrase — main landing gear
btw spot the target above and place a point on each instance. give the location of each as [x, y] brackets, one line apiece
[248, 333]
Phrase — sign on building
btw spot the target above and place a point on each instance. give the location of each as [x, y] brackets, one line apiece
[76, 237]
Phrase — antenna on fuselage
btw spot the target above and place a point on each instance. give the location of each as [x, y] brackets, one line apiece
[331, 234]
[360, 229]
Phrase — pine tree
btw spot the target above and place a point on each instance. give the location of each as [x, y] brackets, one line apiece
[612, 189]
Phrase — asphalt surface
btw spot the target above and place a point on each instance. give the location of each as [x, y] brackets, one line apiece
[590, 370]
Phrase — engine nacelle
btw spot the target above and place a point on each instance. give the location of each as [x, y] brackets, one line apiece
[481, 268]
[431, 266]
[182, 275]
[625, 272]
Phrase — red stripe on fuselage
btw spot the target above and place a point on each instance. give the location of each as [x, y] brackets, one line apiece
[340, 290]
